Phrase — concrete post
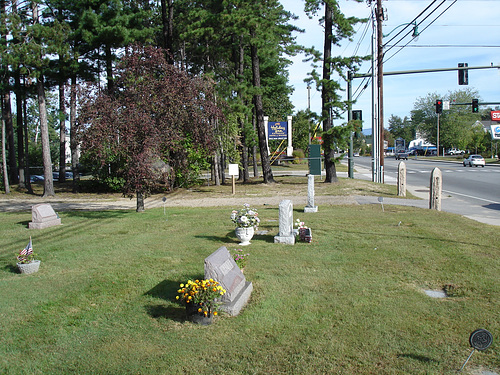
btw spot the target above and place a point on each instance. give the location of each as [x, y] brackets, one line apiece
[435, 189]
[401, 179]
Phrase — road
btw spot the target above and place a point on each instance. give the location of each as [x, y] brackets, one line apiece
[471, 191]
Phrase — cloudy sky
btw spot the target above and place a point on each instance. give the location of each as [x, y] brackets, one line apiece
[461, 31]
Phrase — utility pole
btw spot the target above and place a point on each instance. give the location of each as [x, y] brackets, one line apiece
[380, 81]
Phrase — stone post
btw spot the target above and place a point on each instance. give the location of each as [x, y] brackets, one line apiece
[401, 179]
[310, 195]
[435, 190]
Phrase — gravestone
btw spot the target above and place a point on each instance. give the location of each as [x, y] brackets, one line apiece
[43, 216]
[401, 179]
[286, 233]
[221, 267]
[436, 189]
[310, 195]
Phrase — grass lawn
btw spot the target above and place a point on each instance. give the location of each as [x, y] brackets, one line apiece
[351, 302]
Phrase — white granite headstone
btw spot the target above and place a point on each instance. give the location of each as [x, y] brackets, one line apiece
[286, 233]
[43, 216]
[310, 195]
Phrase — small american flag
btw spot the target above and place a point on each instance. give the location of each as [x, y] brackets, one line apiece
[28, 249]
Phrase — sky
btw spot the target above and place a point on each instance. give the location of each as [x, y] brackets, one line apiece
[467, 32]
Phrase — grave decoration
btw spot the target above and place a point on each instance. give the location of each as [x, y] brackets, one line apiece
[26, 262]
[221, 266]
[247, 221]
[201, 299]
[480, 339]
[303, 232]
[43, 216]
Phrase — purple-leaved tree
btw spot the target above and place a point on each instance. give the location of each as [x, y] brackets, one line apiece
[155, 116]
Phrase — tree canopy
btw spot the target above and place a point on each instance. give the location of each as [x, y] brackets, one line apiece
[157, 114]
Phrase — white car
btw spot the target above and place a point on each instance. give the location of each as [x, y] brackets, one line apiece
[474, 160]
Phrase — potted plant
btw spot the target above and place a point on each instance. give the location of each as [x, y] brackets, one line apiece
[246, 220]
[26, 262]
[201, 299]
[240, 258]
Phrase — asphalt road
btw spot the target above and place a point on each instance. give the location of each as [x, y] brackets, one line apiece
[470, 191]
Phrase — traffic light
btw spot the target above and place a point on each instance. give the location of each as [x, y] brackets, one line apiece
[439, 106]
[357, 114]
[463, 74]
[475, 105]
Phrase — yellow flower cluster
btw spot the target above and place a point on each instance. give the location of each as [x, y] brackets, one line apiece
[204, 293]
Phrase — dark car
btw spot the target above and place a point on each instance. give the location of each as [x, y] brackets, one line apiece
[401, 154]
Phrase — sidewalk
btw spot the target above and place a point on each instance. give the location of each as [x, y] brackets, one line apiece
[448, 203]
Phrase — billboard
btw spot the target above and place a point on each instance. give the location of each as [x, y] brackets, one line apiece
[277, 130]
[495, 115]
[495, 131]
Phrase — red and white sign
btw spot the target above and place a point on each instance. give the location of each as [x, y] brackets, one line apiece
[495, 115]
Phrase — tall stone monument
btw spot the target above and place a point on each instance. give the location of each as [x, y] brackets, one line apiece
[221, 267]
[286, 233]
[310, 195]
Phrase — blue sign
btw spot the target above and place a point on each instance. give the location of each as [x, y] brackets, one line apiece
[277, 130]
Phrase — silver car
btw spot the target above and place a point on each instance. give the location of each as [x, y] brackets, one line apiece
[474, 160]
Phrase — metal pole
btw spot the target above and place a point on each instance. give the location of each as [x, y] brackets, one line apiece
[437, 140]
[349, 118]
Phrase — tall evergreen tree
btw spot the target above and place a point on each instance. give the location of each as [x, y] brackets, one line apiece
[337, 28]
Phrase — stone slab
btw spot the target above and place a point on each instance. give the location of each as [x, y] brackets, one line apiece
[221, 267]
[310, 209]
[43, 216]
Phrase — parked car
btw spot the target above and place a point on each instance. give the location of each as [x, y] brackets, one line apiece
[401, 154]
[454, 151]
[474, 160]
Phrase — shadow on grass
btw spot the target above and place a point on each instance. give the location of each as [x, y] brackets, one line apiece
[111, 214]
[11, 268]
[175, 313]
[167, 290]
[227, 238]
[417, 357]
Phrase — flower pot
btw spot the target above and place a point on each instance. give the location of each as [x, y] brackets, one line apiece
[196, 317]
[31, 267]
[244, 235]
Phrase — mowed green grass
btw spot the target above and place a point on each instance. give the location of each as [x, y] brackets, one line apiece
[351, 302]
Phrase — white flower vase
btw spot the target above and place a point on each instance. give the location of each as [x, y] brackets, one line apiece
[244, 235]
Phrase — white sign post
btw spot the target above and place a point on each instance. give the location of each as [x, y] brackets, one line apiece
[234, 172]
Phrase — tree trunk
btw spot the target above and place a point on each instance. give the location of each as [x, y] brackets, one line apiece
[109, 69]
[259, 110]
[11, 144]
[326, 98]
[48, 184]
[62, 135]
[216, 169]
[26, 144]
[167, 20]
[73, 142]
[140, 202]
[4, 161]
[21, 162]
